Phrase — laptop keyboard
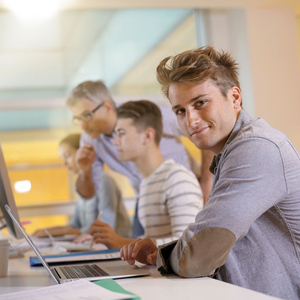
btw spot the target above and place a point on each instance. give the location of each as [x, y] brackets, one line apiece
[83, 271]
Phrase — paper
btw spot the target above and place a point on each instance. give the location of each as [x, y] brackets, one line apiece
[22, 245]
[75, 290]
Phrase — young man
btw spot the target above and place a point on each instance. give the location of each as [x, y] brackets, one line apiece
[94, 110]
[108, 200]
[170, 195]
[248, 233]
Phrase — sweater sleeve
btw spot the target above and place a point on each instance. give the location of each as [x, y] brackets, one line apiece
[238, 198]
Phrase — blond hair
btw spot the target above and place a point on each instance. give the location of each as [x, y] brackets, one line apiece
[73, 140]
[196, 66]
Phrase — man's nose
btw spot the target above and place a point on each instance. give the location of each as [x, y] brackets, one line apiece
[192, 118]
[116, 141]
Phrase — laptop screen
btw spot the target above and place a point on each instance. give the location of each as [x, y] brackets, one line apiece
[28, 239]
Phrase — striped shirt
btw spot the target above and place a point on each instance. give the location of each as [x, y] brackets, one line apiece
[170, 199]
[106, 152]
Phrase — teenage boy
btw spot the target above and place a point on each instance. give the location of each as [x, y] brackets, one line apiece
[170, 195]
[94, 110]
[248, 232]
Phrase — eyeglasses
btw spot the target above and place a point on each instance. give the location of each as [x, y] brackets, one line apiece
[86, 118]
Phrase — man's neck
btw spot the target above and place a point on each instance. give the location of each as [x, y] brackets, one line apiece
[149, 161]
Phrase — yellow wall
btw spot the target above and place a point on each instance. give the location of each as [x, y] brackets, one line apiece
[46, 185]
[33, 155]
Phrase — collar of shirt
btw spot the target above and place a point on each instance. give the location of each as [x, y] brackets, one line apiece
[242, 121]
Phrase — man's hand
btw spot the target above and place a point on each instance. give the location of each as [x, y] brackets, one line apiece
[85, 157]
[82, 238]
[40, 233]
[141, 250]
[104, 234]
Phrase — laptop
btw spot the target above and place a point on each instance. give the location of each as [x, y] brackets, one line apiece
[90, 271]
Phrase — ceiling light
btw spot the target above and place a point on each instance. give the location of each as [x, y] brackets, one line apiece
[22, 186]
[36, 10]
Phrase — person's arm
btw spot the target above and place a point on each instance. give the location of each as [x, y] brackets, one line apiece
[238, 198]
[85, 157]
[183, 201]
[90, 167]
[206, 176]
[104, 234]
[57, 231]
[73, 227]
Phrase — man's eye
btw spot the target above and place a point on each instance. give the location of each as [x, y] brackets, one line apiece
[200, 103]
[86, 116]
[179, 112]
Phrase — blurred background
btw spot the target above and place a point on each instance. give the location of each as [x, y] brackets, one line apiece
[48, 47]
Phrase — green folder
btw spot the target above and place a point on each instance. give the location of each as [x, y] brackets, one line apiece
[113, 286]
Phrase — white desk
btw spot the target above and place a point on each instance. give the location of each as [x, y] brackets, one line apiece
[21, 277]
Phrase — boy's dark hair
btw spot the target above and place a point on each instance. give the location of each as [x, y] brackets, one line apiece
[145, 114]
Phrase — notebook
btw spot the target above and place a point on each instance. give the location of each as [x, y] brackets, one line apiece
[89, 271]
[77, 257]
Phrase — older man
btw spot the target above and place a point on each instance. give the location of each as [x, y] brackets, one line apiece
[94, 110]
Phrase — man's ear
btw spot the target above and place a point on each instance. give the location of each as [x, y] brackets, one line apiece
[149, 135]
[235, 96]
[108, 105]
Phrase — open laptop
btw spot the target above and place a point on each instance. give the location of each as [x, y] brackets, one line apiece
[89, 271]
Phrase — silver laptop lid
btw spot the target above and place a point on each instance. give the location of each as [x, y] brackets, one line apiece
[28, 239]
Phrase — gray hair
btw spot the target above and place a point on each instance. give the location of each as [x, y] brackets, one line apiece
[96, 91]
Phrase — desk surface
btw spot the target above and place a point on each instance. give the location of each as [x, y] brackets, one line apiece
[22, 277]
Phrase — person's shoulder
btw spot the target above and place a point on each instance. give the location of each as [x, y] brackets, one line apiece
[166, 166]
[260, 129]
[178, 170]
[107, 180]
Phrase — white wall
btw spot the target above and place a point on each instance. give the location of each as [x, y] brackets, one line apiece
[274, 54]
[264, 42]
[227, 30]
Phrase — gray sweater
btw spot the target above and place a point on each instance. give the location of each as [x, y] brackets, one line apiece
[248, 233]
